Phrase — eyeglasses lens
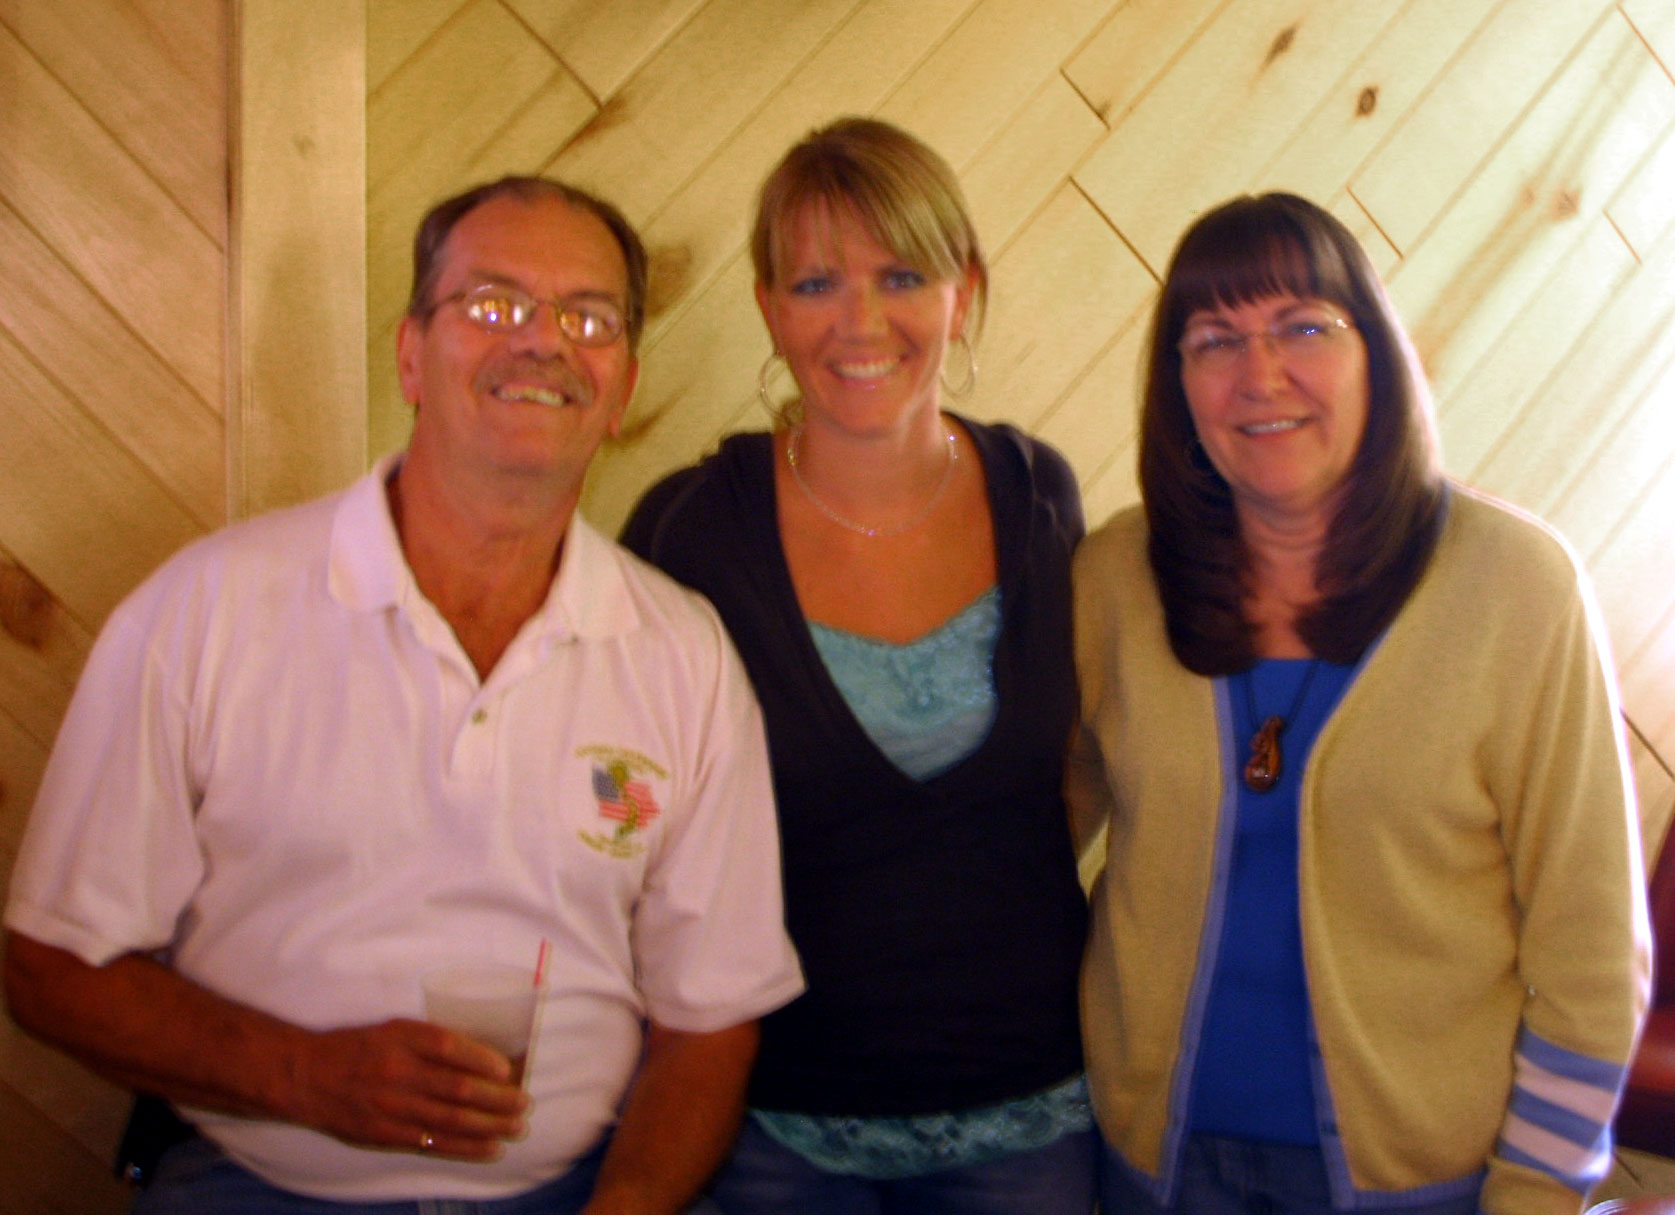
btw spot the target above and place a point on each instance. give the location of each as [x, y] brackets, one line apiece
[586, 322]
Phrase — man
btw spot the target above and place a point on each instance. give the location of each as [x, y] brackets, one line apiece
[432, 719]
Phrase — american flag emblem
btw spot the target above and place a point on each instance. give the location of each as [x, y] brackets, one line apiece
[623, 799]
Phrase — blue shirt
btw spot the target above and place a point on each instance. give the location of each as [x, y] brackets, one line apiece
[1252, 1078]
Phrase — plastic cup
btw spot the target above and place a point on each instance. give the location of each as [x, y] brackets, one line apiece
[488, 1001]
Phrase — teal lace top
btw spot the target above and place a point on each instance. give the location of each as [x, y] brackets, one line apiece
[927, 705]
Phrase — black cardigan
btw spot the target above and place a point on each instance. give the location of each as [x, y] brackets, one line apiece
[940, 924]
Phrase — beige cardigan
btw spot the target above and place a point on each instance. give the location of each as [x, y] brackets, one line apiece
[1469, 859]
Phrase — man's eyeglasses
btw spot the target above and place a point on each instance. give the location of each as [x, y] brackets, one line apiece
[587, 320]
[1296, 339]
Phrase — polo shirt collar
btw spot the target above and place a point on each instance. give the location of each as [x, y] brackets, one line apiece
[367, 571]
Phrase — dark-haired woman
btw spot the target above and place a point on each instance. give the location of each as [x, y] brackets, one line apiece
[1370, 932]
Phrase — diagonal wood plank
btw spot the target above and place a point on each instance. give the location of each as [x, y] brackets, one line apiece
[1499, 405]
[1621, 354]
[1373, 96]
[41, 652]
[23, 758]
[52, 314]
[987, 69]
[1441, 141]
[1373, 242]
[90, 1109]
[195, 33]
[1206, 128]
[112, 522]
[1062, 290]
[1529, 202]
[1644, 208]
[396, 29]
[677, 109]
[1617, 512]
[86, 198]
[47, 1172]
[604, 43]
[1131, 49]
[1655, 22]
[117, 66]
[692, 389]
[1095, 423]
[1022, 168]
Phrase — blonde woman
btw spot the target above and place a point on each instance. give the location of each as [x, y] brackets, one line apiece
[897, 580]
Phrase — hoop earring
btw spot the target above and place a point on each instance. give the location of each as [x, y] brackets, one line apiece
[779, 413]
[970, 371]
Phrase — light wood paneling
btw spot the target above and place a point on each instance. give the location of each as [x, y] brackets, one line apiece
[1221, 112]
[1131, 49]
[299, 422]
[84, 194]
[707, 80]
[48, 1172]
[985, 71]
[41, 652]
[1070, 285]
[1527, 204]
[604, 43]
[395, 30]
[1373, 97]
[1510, 165]
[1467, 110]
[54, 315]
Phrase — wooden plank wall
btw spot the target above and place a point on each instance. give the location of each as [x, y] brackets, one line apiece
[113, 238]
[1511, 164]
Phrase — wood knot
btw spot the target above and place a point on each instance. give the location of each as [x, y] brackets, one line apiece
[1566, 203]
[1281, 44]
[1367, 102]
[25, 606]
[670, 271]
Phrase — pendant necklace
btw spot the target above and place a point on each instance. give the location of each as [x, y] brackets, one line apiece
[919, 516]
[1262, 770]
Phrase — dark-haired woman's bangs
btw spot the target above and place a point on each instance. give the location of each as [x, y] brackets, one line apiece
[1241, 263]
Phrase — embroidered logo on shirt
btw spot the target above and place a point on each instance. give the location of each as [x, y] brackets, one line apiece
[622, 789]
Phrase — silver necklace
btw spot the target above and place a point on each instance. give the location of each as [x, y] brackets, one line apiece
[919, 516]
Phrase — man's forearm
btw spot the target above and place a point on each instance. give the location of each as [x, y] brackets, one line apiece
[680, 1120]
[142, 1025]
[403, 1084]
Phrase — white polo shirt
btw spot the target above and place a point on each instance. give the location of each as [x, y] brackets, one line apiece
[280, 765]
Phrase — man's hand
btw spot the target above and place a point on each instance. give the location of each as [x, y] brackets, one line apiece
[408, 1084]
[403, 1084]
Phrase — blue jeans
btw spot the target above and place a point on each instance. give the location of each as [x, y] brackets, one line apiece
[197, 1178]
[1235, 1177]
[763, 1177]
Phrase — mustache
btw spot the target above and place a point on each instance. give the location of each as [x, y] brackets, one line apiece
[554, 374]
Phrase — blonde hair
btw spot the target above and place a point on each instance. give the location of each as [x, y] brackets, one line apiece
[902, 192]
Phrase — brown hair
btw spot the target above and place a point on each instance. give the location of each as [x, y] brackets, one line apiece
[439, 221]
[1391, 511]
[903, 193]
